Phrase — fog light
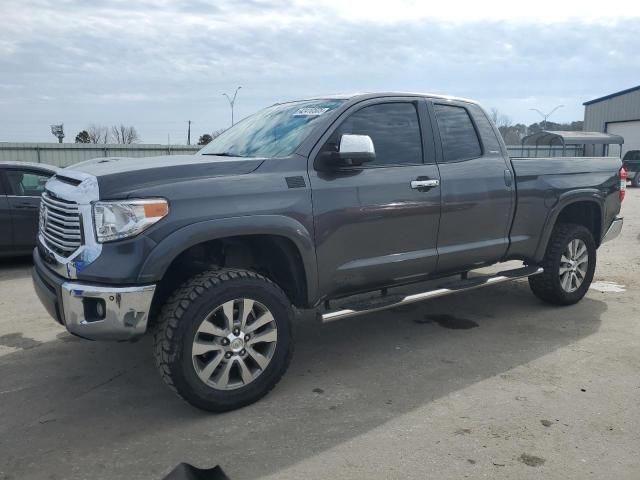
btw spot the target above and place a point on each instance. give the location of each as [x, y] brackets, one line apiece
[94, 309]
[100, 310]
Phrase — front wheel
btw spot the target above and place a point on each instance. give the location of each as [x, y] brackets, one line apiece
[635, 181]
[224, 339]
[569, 264]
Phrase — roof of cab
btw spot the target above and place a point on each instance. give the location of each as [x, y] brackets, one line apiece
[368, 95]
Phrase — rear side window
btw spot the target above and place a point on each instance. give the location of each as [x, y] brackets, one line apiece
[487, 133]
[459, 138]
[394, 129]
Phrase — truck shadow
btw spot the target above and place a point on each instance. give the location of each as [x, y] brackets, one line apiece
[97, 410]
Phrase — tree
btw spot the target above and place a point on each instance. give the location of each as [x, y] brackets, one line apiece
[83, 137]
[207, 137]
[204, 139]
[98, 133]
[124, 134]
[499, 119]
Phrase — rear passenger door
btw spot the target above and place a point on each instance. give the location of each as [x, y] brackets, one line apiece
[476, 187]
[6, 241]
[25, 188]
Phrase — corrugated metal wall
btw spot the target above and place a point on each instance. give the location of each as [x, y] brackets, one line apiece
[65, 154]
[622, 108]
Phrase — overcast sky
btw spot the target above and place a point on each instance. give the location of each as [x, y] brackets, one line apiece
[156, 64]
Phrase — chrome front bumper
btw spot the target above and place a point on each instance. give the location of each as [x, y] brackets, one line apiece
[106, 313]
[95, 312]
[614, 230]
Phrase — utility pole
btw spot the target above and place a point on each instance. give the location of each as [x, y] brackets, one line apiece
[545, 116]
[189, 133]
[232, 102]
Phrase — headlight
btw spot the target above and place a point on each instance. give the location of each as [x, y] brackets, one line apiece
[126, 218]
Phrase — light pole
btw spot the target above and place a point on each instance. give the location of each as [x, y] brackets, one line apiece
[232, 102]
[545, 116]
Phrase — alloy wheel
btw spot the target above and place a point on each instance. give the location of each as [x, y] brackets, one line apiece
[573, 265]
[234, 344]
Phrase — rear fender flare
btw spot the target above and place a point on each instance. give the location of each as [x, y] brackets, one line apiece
[566, 199]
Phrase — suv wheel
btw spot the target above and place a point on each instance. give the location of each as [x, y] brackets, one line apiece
[224, 339]
[569, 264]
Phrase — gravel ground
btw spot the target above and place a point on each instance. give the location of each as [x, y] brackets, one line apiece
[486, 384]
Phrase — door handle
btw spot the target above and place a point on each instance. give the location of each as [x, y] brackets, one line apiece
[420, 184]
[508, 178]
[27, 206]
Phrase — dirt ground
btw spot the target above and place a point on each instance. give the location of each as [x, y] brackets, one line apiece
[486, 384]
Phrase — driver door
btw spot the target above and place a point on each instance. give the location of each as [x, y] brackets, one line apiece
[372, 228]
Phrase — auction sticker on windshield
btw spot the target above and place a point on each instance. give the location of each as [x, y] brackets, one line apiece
[310, 111]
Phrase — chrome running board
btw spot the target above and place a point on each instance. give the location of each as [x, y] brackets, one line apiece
[446, 288]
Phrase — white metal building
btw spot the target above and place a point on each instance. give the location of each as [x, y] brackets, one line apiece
[617, 113]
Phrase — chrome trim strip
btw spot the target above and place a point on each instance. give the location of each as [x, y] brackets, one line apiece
[62, 219]
[67, 246]
[614, 230]
[125, 316]
[65, 232]
[67, 206]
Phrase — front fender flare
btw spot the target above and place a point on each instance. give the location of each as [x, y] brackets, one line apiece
[168, 249]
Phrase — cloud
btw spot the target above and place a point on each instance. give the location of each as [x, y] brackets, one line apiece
[156, 64]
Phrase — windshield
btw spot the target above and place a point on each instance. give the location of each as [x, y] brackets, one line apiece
[273, 132]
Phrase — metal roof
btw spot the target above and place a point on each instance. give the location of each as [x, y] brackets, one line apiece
[612, 95]
[558, 137]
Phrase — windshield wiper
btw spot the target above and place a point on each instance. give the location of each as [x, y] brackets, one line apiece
[224, 154]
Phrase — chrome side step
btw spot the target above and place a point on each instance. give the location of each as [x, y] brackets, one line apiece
[447, 288]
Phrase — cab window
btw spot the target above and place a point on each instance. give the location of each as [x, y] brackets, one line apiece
[457, 133]
[394, 129]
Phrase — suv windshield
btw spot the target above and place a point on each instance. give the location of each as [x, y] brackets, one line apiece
[273, 132]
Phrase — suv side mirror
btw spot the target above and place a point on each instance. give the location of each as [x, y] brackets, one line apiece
[353, 150]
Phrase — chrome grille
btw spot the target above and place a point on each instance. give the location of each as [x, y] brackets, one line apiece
[60, 224]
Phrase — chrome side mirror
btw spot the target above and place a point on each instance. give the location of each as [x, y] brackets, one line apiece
[356, 149]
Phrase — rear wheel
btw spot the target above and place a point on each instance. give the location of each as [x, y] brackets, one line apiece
[635, 181]
[569, 264]
[224, 339]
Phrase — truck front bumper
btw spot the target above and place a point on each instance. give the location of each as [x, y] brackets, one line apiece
[614, 229]
[94, 312]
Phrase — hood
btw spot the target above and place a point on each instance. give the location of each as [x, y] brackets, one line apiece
[117, 176]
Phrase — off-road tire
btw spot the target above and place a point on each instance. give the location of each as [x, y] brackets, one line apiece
[183, 313]
[546, 286]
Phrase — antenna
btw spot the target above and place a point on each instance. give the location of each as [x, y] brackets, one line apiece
[58, 131]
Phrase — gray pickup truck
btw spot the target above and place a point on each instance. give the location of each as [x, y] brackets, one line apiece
[309, 205]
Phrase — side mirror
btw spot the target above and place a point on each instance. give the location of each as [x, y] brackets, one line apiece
[356, 149]
[353, 150]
